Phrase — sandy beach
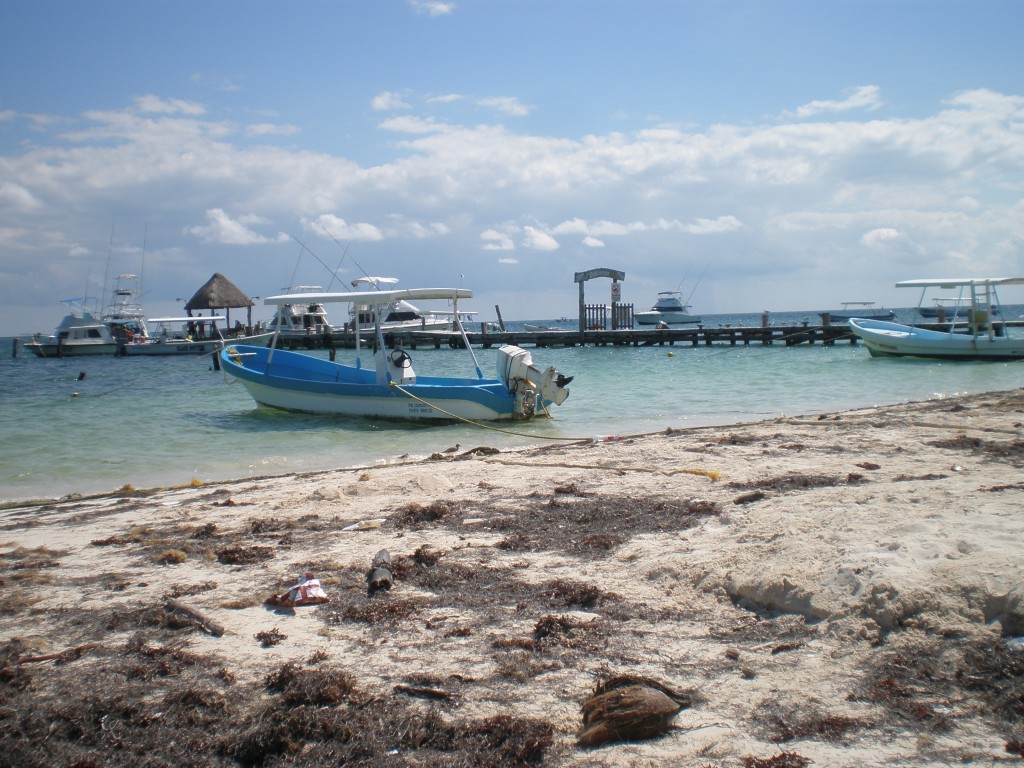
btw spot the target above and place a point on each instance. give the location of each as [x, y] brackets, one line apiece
[840, 589]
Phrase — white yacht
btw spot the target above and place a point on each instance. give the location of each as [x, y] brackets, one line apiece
[301, 323]
[669, 308]
[81, 332]
[400, 314]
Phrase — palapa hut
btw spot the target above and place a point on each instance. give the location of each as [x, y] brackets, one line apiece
[220, 293]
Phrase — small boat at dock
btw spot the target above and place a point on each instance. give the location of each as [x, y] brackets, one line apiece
[401, 315]
[186, 336]
[669, 309]
[863, 309]
[81, 332]
[975, 337]
[302, 323]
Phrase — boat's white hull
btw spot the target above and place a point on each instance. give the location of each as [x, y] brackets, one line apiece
[672, 318]
[884, 339]
[387, 404]
[176, 347]
[81, 349]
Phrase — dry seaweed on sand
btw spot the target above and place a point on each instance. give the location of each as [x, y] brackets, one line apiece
[591, 524]
[150, 703]
[809, 719]
[781, 760]
[932, 682]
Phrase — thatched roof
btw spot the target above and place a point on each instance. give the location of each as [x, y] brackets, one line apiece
[218, 293]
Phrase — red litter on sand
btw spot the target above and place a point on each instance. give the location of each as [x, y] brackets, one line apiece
[307, 592]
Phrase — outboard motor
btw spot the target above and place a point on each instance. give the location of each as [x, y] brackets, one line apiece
[528, 383]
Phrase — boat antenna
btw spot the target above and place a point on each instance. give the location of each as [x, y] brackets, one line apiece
[680, 286]
[106, 272]
[687, 302]
[321, 261]
[345, 252]
[295, 271]
[142, 266]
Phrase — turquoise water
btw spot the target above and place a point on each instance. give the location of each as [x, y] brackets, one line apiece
[157, 422]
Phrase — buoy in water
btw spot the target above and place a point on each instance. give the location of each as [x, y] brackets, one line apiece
[671, 354]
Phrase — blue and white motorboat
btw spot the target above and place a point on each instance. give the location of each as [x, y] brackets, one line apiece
[294, 381]
[978, 337]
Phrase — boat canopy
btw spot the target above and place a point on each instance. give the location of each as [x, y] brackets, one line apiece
[960, 281]
[374, 281]
[373, 297]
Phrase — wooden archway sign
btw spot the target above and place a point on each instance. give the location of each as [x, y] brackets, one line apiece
[582, 277]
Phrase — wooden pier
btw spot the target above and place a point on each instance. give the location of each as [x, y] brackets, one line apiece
[625, 337]
[689, 336]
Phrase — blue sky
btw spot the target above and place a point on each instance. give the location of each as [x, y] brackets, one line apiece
[797, 154]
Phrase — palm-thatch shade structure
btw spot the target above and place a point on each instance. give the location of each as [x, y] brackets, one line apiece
[220, 293]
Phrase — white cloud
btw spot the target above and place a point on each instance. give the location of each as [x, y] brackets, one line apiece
[714, 226]
[410, 124]
[880, 235]
[224, 230]
[447, 98]
[700, 226]
[14, 198]
[896, 197]
[342, 230]
[271, 129]
[864, 97]
[508, 260]
[432, 7]
[496, 241]
[537, 240]
[508, 105]
[154, 104]
[387, 101]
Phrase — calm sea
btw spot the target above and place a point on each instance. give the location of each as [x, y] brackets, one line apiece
[158, 422]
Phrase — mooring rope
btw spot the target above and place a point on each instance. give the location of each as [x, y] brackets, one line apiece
[464, 420]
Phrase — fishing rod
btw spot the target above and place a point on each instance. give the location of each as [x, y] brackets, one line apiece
[698, 282]
[295, 271]
[345, 252]
[334, 276]
[680, 286]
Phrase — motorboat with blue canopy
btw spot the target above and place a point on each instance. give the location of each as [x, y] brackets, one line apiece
[308, 383]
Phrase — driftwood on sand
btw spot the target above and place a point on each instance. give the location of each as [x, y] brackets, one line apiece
[209, 625]
[380, 576]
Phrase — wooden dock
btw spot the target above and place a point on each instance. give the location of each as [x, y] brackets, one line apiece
[688, 336]
[642, 337]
